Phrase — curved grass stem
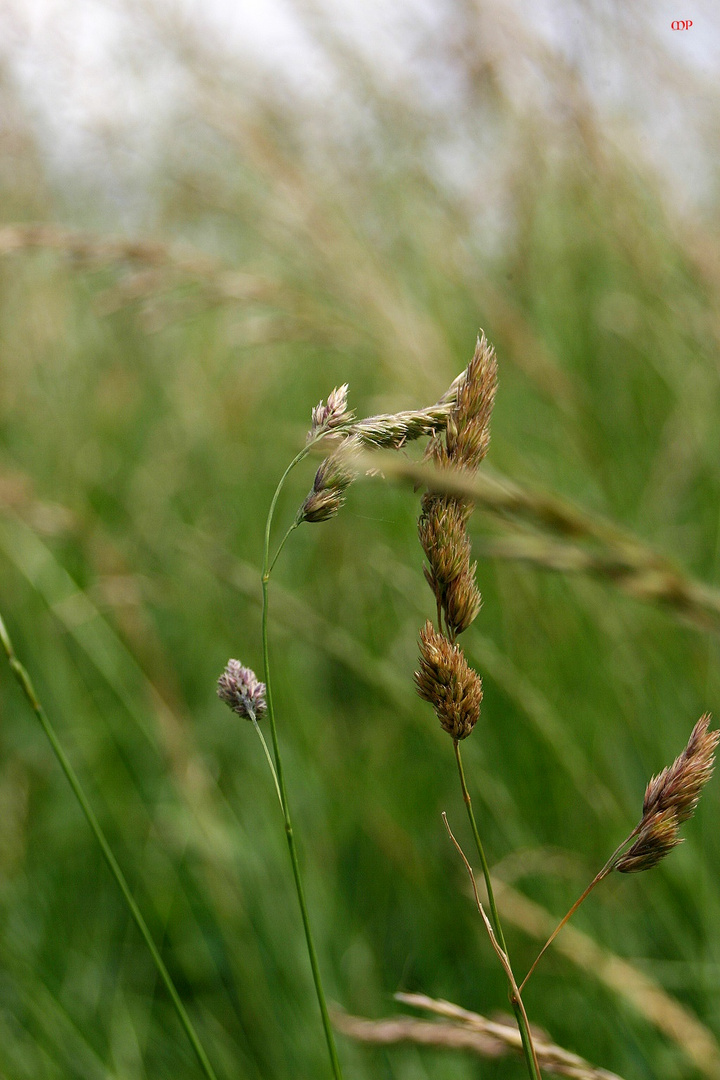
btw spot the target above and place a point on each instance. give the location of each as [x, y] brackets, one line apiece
[269, 759]
[279, 775]
[25, 682]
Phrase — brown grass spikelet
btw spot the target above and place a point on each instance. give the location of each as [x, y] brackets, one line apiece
[680, 785]
[468, 431]
[462, 601]
[446, 680]
[656, 839]
[441, 528]
[670, 799]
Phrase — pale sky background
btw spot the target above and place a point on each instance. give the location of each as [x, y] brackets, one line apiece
[86, 68]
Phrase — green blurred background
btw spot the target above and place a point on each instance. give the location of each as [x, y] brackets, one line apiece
[354, 216]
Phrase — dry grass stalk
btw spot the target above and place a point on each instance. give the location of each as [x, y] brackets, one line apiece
[88, 250]
[613, 555]
[467, 1031]
[635, 568]
[523, 1024]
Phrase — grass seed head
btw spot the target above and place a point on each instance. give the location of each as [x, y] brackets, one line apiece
[657, 837]
[443, 536]
[467, 435]
[670, 799]
[680, 785]
[442, 526]
[446, 680]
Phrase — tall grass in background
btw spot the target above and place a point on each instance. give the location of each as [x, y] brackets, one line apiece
[152, 388]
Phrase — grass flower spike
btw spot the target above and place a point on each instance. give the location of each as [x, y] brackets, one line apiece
[670, 799]
[445, 679]
[442, 526]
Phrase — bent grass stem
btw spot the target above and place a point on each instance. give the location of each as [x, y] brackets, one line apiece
[22, 676]
[269, 759]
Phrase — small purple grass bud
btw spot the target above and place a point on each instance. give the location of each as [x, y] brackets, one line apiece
[242, 691]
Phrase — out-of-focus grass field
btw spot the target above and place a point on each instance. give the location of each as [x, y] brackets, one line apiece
[149, 401]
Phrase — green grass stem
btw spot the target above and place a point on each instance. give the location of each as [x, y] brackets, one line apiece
[280, 778]
[25, 682]
[523, 1027]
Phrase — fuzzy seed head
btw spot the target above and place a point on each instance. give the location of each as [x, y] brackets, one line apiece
[467, 435]
[444, 538]
[446, 680]
[656, 839]
[680, 785]
[321, 505]
[460, 445]
[670, 799]
[242, 691]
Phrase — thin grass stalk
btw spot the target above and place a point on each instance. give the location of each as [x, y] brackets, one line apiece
[22, 676]
[519, 1011]
[502, 954]
[497, 925]
[280, 777]
[268, 758]
[600, 876]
